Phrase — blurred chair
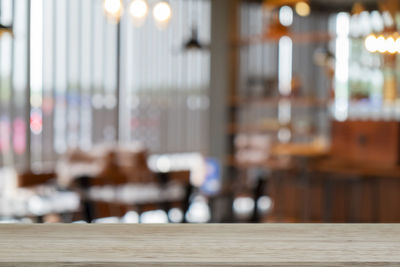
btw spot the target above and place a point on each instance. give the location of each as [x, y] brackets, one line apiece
[30, 179]
[124, 182]
[114, 195]
[45, 201]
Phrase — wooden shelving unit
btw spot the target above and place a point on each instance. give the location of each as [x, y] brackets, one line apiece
[239, 100]
[257, 114]
[306, 181]
[274, 101]
[297, 37]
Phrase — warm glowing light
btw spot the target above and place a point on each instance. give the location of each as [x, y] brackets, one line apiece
[398, 45]
[113, 8]
[302, 9]
[391, 45]
[162, 13]
[371, 43]
[138, 10]
[381, 44]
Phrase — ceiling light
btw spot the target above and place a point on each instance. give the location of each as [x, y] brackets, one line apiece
[371, 43]
[162, 13]
[113, 9]
[398, 45]
[381, 44]
[391, 45]
[302, 9]
[138, 9]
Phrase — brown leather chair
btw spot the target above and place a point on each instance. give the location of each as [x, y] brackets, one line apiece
[30, 179]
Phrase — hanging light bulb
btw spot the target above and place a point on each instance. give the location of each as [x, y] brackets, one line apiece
[391, 45]
[302, 9]
[381, 44]
[162, 13]
[371, 43]
[398, 44]
[113, 9]
[138, 9]
[6, 29]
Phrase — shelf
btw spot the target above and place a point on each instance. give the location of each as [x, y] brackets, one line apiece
[306, 150]
[300, 150]
[269, 127]
[270, 164]
[263, 127]
[274, 101]
[297, 37]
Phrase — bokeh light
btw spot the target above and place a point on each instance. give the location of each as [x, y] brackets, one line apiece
[381, 44]
[113, 9]
[302, 9]
[391, 45]
[371, 43]
[286, 16]
[162, 13]
[138, 9]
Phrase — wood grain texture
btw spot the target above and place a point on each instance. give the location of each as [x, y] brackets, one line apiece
[200, 245]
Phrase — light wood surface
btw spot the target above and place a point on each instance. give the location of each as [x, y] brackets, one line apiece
[200, 245]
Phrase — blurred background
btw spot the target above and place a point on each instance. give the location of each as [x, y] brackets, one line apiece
[197, 111]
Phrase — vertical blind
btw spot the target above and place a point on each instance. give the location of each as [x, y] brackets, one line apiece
[61, 88]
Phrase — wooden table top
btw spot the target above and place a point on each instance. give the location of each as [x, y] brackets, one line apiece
[200, 245]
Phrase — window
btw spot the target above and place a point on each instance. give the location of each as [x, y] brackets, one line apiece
[61, 87]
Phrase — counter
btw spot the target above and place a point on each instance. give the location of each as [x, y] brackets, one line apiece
[200, 245]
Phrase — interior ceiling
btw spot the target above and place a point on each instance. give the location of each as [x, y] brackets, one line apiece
[335, 5]
[342, 5]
